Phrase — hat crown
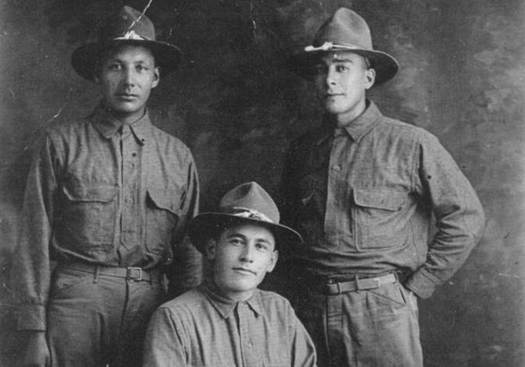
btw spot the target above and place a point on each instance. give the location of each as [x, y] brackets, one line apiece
[250, 197]
[345, 27]
[128, 23]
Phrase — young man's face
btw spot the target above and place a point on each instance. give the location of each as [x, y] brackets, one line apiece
[341, 80]
[126, 76]
[241, 257]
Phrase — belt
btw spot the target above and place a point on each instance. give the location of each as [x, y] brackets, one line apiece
[334, 287]
[129, 273]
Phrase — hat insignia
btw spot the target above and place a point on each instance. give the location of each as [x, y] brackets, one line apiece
[250, 214]
[324, 47]
[130, 35]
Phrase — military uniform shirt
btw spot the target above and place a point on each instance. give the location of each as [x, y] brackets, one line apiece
[203, 329]
[104, 193]
[363, 197]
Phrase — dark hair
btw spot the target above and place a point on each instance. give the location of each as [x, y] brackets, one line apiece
[368, 62]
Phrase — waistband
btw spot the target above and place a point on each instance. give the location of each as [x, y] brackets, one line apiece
[334, 287]
[129, 273]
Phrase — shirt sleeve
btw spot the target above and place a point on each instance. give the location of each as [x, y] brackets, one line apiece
[31, 270]
[164, 344]
[302, 347]
[458, 213]
[186, 270]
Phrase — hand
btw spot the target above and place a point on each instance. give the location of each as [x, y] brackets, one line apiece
[36, 351]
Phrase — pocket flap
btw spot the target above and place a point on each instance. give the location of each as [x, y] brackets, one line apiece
[166, 199]
[102, 193]
[381, 199]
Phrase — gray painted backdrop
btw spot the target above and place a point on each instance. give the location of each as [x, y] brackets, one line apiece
[233, 102]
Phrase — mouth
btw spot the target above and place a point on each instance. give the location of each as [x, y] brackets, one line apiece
[332, 95]
[127, 96]
[244, 271]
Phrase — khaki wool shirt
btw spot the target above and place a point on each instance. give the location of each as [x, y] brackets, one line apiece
[203, 328]
[104, 193]
[363, 198]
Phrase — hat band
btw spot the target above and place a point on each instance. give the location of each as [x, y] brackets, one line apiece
[249, 214]
[329, 46]
[131, 35]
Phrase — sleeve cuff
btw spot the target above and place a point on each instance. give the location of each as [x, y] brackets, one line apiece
[31, 317]
[422, 284]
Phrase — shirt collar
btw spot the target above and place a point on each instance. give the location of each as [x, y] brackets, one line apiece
[108, 126]
[225, 306]
[359, 127]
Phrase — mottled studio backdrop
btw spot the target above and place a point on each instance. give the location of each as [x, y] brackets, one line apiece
[233, 102]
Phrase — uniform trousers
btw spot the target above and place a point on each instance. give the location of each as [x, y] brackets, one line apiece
[364, 328]
[95, 320]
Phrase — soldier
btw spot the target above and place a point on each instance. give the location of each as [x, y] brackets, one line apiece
[107, 201]
[228, 321]
[362, 190]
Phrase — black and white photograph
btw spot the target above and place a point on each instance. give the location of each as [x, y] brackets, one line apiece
[262, 183]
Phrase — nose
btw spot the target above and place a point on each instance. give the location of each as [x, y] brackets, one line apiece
[330, 77]
[247, 253]
[128, 78]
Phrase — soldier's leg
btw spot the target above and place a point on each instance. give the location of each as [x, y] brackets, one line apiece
[383, 327]
[83, 318]
[142, 299]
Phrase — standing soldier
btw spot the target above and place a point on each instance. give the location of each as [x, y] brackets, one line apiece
[362, 190]
[107, 201]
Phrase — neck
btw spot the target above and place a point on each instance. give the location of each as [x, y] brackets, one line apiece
[127, 119]
[232, 295]
[237, 296]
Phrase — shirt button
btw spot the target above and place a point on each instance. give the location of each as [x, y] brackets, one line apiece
[336, 168]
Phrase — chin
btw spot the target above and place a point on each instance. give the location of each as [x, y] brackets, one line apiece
[125, 108]
[333, 110]
[243, 285]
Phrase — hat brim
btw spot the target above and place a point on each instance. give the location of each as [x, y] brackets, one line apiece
[206, 226]
[84, 58]
[385, 65]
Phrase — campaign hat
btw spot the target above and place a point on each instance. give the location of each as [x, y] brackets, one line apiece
[127, 26]
[245, 203]
[347, 31]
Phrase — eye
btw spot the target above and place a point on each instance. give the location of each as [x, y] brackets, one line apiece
[341, 68]
[236, 241]
[114, 66]
[142, 68]
[262, 246]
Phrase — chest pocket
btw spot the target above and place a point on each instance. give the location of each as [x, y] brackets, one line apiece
[163, 206]
[87, 217]
[378, 218]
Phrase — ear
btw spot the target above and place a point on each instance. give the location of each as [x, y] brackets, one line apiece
[370, 75]
[273, 261]
[156, 77]
[211, 249]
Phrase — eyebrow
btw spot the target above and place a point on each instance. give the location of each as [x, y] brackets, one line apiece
[335, 59]
[259, 239]
[118, 59]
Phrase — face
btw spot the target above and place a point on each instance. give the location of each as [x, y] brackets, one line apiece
[341, 80]
[241, 257]
[126, 76]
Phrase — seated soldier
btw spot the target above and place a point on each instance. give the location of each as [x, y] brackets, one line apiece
[227, 320]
